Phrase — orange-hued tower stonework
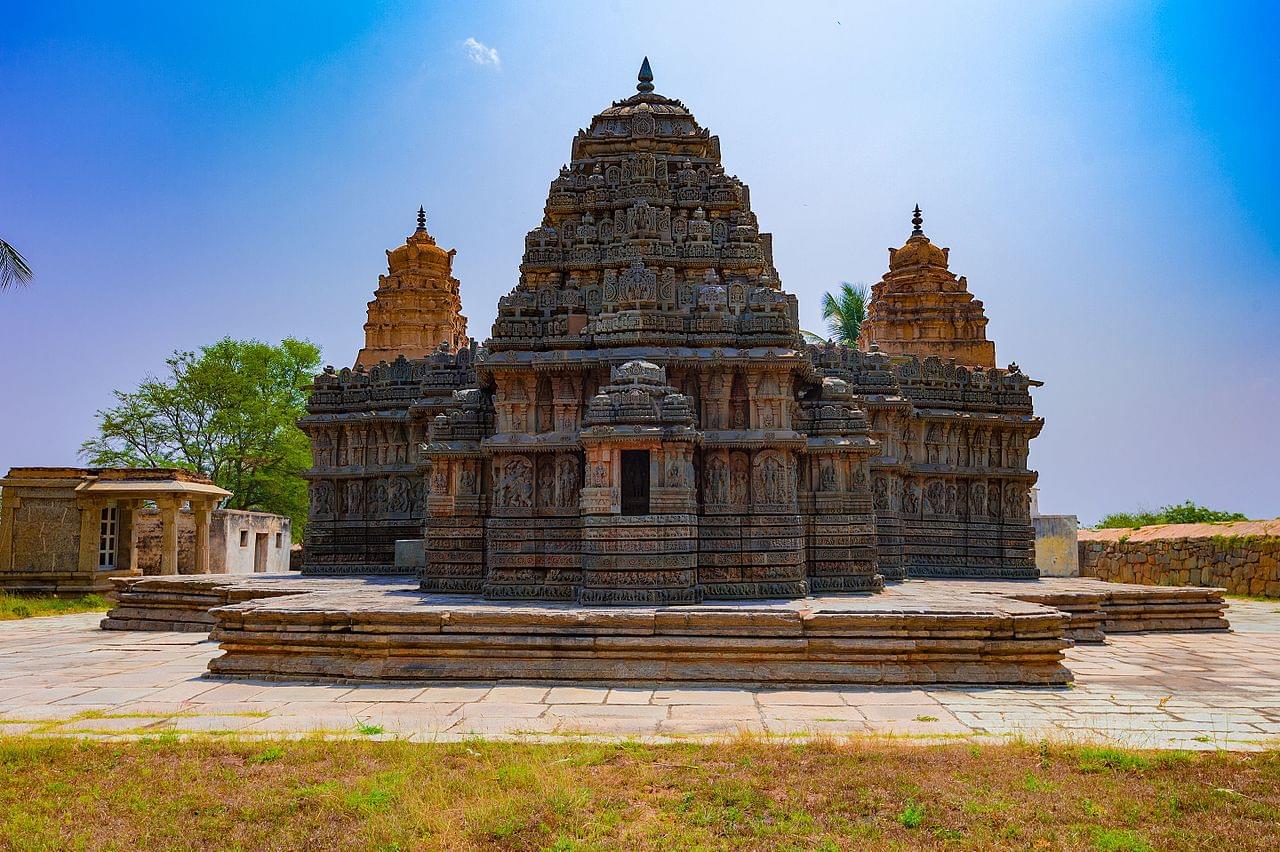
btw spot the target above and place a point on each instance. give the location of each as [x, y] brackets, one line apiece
[417, 306]
[921, 308]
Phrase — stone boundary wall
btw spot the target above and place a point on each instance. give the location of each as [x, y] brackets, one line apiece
[1242, 557]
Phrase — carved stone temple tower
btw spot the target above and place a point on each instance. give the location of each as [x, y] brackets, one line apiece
[921, 308]
[646, 426]
[417, 306]
[648, 443]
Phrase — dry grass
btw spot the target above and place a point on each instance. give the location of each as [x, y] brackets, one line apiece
[13, 607]
[207, 794]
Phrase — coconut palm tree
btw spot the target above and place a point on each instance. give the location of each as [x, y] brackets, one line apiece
[845, 311]
[13, 267]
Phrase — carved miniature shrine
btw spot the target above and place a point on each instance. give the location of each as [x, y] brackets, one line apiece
[646, 426]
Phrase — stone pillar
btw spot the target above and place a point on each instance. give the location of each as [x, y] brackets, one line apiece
[8, 518]
[90, 534]
[201, 509]
[168, 534]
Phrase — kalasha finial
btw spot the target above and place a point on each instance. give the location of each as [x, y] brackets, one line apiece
[422, 219]
[645, 77]
[916, 221]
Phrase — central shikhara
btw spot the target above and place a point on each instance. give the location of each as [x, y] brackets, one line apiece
[646, 424]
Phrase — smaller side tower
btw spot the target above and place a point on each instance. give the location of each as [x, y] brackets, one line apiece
[921, 308]
[417, 306]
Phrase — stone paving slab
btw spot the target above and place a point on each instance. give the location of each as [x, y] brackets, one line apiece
[62, 675]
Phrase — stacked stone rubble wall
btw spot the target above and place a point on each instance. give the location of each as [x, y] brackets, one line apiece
[1243, 558]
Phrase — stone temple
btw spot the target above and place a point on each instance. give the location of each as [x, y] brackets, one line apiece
[645, 474]
[646, 426]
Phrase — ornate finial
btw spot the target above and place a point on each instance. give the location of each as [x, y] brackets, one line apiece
[422, 219]
[645, 77]
[916, 221]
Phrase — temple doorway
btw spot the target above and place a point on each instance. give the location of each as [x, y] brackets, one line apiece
[635, 482]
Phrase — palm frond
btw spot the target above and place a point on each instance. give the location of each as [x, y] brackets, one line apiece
[14, 268]
[845, 311]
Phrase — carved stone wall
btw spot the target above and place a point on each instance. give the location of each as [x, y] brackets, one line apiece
[367, 486]
[951, 484]
[1242, 557]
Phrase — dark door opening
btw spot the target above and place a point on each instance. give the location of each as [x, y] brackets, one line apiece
[260, 553]
[635, 482]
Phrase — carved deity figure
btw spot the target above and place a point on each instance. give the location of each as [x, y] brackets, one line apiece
[322, 498]
[567, 482]
[516, 485]
[828, 476]
[772, 485]
[936, 497]
[546, 484]
[355, 498]
[739, 482]
[880, 487]
[910, 497]
[599, 475]
[717, 482]
[977, 498]
[377, 497]
[399, 499]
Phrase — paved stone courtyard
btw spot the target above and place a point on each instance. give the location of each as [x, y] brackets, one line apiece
[63, 675]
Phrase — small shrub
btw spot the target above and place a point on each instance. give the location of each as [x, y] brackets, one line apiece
[270, 754]
[1179, 513]
[912, 815]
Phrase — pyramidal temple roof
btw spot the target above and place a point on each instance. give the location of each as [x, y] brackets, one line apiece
[645, 240]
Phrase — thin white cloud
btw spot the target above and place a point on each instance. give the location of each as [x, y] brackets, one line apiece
[481, 54]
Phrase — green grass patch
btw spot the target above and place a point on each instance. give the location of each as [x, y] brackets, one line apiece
[749, 793]
[13, 607]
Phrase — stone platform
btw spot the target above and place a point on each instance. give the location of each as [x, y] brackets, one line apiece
[386, 634]
[934, 631]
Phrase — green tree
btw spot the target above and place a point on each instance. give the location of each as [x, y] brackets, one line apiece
[845, 311]
[1179, 513]
[230, 412]
[14, 268]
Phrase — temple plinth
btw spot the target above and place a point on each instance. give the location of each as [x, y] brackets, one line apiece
[417, 306]
[921, 308]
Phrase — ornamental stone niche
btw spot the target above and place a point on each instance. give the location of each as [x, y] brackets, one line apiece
[646, 426]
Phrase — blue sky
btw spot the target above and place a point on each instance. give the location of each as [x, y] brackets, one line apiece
[1104, 173]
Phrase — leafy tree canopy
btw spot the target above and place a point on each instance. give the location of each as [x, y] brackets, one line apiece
[230, 412]
[844, 312]
[1180, 513]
